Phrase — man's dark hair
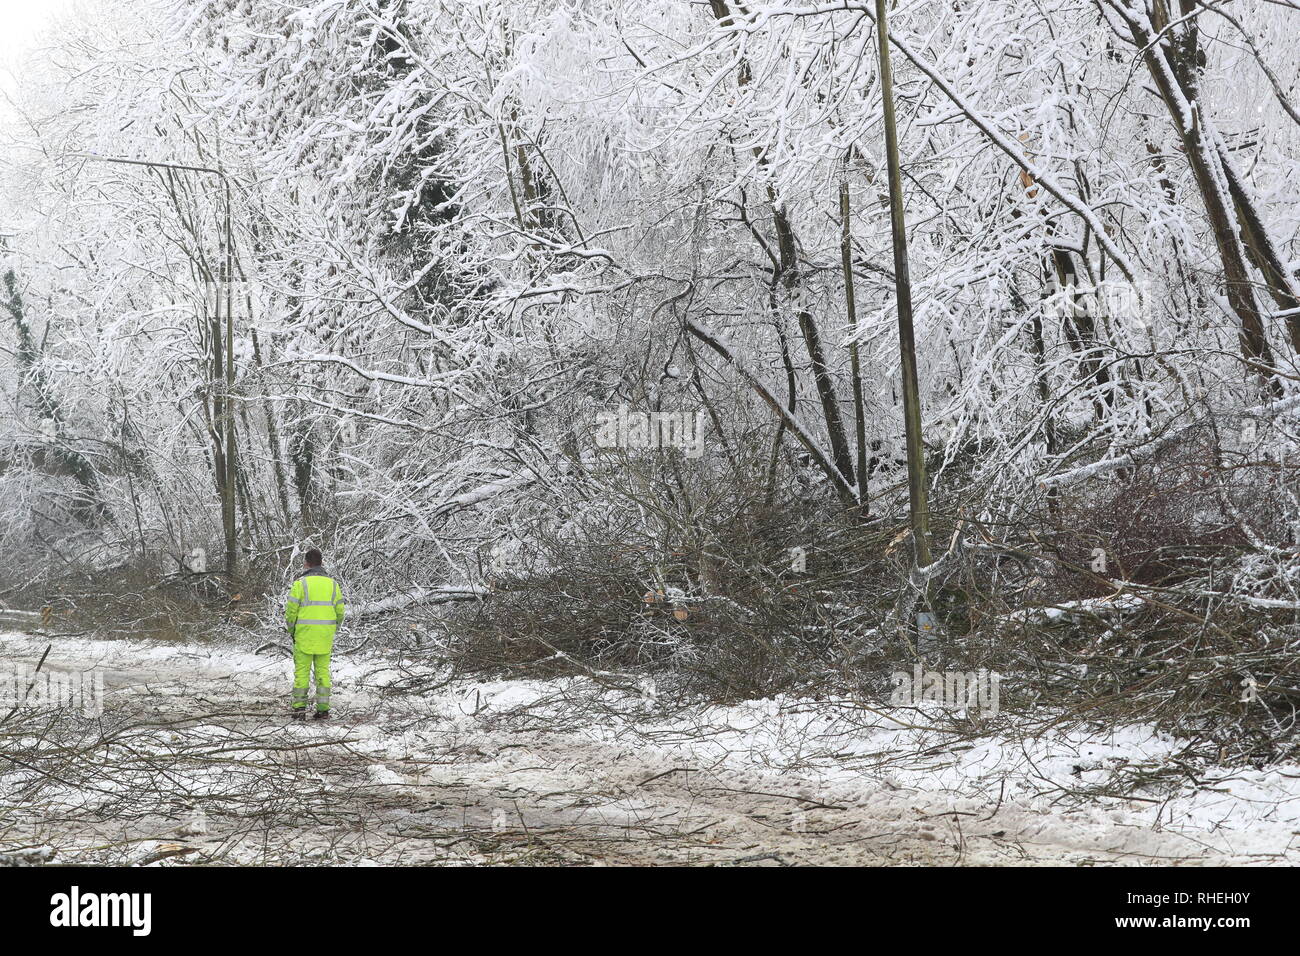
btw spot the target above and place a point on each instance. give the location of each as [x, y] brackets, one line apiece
[313, 558]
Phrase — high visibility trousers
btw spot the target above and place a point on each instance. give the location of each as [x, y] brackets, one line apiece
[302, 667]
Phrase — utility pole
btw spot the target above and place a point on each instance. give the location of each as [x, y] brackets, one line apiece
[916, 480]
[226, 277]
[228, 406]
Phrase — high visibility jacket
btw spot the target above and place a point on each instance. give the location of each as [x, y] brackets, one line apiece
[314, 611]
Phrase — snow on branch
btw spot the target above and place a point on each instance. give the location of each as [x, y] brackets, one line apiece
[442, 594]
[1136, 456]
[715, 342]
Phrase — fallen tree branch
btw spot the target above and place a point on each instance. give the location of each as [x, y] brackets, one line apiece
[841, 484]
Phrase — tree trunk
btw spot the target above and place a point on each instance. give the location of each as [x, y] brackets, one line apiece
[851, 312]
[790, 279]
[1174, 65]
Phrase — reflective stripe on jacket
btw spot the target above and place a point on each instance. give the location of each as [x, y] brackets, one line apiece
[314, 611]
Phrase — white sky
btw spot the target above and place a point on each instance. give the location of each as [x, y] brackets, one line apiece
[20, 24]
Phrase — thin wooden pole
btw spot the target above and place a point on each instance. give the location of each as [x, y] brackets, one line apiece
[225, 416]
[916, 480]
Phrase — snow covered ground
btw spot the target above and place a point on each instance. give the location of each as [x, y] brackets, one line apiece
[194, 761]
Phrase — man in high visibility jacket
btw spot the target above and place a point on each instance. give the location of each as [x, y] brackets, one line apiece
[313, 614]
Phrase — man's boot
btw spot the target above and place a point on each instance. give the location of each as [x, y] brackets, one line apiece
[299, 713]
[321, 715]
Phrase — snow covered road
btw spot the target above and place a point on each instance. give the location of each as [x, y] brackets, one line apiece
[195, 761]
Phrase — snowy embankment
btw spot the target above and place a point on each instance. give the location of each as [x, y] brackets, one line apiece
[197, 762]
